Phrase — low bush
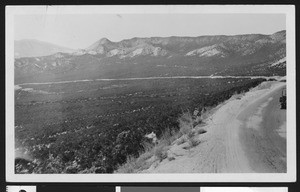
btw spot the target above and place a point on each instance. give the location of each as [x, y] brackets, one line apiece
[201, 131]
[185, 123]
[190, 134]
[181, 140]
[117, 120]
[160, 152]
[193, 142]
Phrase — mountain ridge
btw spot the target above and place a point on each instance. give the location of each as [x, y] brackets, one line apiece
[166, 44]
[248, 55]
[37, 48]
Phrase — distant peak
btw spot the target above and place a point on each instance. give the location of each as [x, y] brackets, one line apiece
[101, 44]
[279, 36]
[282, 31]
[104, 41]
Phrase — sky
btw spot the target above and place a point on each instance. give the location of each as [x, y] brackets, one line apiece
[80, 31]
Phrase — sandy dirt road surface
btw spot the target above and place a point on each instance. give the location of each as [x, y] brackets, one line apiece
[246, 134]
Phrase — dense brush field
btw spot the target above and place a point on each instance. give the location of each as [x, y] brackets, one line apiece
[92, 127]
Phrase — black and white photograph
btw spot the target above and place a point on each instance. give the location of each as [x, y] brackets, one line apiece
[139, 93]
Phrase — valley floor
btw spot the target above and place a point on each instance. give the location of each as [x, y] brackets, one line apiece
[245, 134]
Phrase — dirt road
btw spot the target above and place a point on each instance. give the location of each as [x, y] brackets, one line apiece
[245, 134]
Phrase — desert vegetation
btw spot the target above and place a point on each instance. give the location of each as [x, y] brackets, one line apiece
[100, 126]
[155, 153]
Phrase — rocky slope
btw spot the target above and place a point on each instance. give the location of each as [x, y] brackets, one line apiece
[252, 54]
[188, 46]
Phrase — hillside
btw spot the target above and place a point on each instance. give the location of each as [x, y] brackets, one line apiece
[245, 134]
[94, 126]
[252, 54]
[35, 48]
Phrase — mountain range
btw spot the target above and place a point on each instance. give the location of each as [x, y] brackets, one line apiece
[36, 48]
[250, 54]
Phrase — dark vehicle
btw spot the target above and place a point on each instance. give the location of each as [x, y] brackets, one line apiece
[282, 99]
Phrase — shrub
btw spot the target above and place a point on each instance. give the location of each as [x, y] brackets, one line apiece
[193, 142]
[134, 165]
[168, 136]
[116, 137]
[147, 146]
[51, 165]
[160, 152]
[181, 141]
[201, 131]
[190, 134]
[185, 123]
[129, 167]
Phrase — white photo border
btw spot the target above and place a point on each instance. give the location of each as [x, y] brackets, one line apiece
[288, 10]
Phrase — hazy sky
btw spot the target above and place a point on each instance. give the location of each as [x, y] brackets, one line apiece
[79, 31]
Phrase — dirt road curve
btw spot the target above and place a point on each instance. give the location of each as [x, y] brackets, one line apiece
[246, 134]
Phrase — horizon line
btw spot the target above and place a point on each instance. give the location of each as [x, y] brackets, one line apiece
[143, 37]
